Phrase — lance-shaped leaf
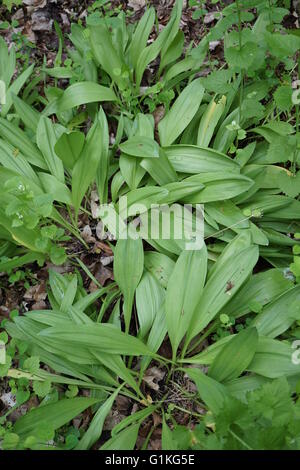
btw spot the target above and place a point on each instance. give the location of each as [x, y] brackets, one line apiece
[128, 270]
[81, 93]
[101, 337]
[53, 415]
[140, 35]
[85, 168]
[181, 113]
[227, 278]
[149, 297]
[183, 293]
[19, 140]
[279, 315]
[95, 428]
[235, 356]
[275, 358]
[209, 121]
[103, 168]
[218, 186]
[263, 287]
[194, 160]
[28, 115]
[124, 440]
[161, 43]
[46, 140]
[15, 87]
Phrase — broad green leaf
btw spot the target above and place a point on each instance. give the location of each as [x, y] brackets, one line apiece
[160, 169]
[54, 415]
[128, 270]
[19, 140]
[68, 148]
[264, 287]
[195, 160]
[85, 168]
[46, 140]
[274, 359]
[279, 315]
[161, 43]
[227, 278]
[58, 190]
[209, 121]
[149, 298]
[218, 186]
[235, 356]
[13, 159]
[103, 168]
[28, 115]
[140, 35]
[140, 146]
[82, 93]
[185, 106]
[184, 292]
[15, 87]
[101, 337]
[116, 364]
[105, 53]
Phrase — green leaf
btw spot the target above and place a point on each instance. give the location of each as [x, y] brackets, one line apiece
[184, 292]
[81, 93]
[241, 58]
[149, 298]
[140, 35]
[195, 160]
[96, 425]
[235, 356]
[273, 359]
[46, 140]
[279, 315]
[68, 148]
[54, 415]
[160, 265]
[124, 440]
[224, 282]
[290, 184]
[85, 168]
[103, 168]
[140, 146]
[15, 87]
[128, 270]
[41, 388]
[283, 97]
[101, 337]
[167, 441]
[264, 287]
[19, 140]
[211, 392]
[185, 106]
[209, 121]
